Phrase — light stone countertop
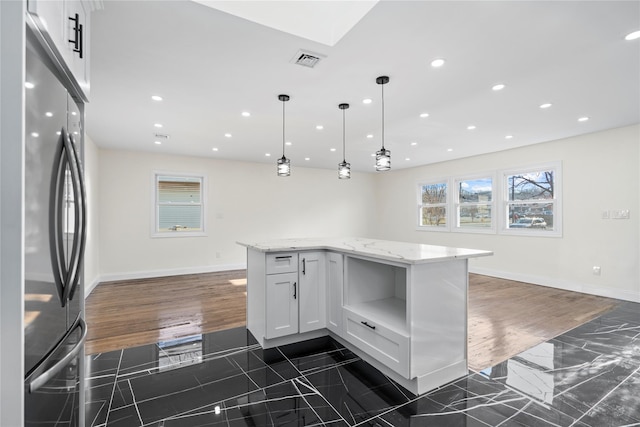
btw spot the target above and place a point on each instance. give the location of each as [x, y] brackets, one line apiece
[404, 252]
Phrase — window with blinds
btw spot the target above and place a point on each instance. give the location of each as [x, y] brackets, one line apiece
[179, 204]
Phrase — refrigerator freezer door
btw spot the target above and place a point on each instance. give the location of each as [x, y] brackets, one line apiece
[46, 320]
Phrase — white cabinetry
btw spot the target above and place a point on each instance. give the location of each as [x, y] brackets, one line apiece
[64, 25]
[335, 281]
[294, 296]
[313, 301]
[401, 307]
[375, 311]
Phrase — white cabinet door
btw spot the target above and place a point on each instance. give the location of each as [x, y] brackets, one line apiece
[65, 25]
[312, 304]
[282, 305]
[335, 280]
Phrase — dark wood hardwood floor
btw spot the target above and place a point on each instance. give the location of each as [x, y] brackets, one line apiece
[505, 317]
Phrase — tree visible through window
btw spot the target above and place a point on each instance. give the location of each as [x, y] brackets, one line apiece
[179, 204]
[433, 205]
[474, 204]
[531, 200]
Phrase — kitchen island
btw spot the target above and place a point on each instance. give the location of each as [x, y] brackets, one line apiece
[400, 306]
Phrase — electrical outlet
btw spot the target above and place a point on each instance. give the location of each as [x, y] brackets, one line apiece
[596, 270]
[218, 255]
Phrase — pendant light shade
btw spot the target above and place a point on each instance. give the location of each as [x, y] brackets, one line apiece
[344, 168]
[383, 156]
[284, 164]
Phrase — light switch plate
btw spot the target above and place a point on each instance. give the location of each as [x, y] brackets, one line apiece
[620, 214]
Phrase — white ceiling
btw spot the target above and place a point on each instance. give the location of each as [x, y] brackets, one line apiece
[210, 66]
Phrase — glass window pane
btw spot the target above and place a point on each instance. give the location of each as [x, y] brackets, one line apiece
[179, 217]
[531, 216]
[531, 186]
[178, 190]
[435, 216]
[475, 216]
[475, 190]
[434, 193]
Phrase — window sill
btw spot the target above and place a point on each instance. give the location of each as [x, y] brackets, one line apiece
[172, 234]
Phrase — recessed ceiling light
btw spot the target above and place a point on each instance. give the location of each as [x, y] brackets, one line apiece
[29, 85]
[73, 113]
[156, 97]
[157, 142]
[508, 137]
[583, 119]
[332, 149]
[499, 86]
[307, 158]
[227, 135]
[367, 101]
[471, 127]
[215, 148]
[423, 115]
[48, 114]
[158, 125]
[449, 149]
[369, 136]
[35, 134]
[246, 114]
[407, 159]
[319, 127]
[547, 105]
[414, 143]
[58, 133]
[267, 154]
[373, 155]
[288, 143]
[437, 63]
[633, 36]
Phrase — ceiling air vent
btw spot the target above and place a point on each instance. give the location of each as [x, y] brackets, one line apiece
[161, 136]
[307, 58]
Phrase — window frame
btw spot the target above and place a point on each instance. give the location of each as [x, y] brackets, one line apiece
[456, 204]
[155, 212]
[557, 200]
[446, 205]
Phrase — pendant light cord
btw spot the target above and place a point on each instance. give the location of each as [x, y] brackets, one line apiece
[382, 87]
[283, 128]
[344, 156]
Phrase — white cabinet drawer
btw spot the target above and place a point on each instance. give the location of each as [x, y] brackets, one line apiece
[283, 262]
[380, 342]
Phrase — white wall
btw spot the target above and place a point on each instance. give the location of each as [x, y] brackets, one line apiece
[91, 165]
[599, 171]
[246, 201]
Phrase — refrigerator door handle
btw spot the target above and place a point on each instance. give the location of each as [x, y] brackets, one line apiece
[73, 275]
[56, 204]
[34, 384]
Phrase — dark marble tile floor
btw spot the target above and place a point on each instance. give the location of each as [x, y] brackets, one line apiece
[589, 376]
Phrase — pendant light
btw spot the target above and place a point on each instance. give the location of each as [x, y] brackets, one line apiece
[383, 156]
[284, 164]
[344, 168]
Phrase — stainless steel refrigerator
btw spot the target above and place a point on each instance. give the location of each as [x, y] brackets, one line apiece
[55, 227]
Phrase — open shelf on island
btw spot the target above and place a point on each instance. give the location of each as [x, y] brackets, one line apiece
[377, 291]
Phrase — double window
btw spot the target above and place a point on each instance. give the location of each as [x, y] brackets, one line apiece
[523, 201]
[179, 207]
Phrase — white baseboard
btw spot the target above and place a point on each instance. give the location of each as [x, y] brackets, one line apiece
[566, 285]
[162, 273]
[88, 288]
